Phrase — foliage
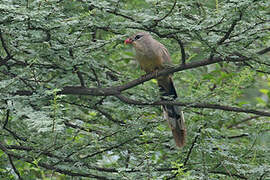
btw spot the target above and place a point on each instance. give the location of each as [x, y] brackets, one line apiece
[73, 102]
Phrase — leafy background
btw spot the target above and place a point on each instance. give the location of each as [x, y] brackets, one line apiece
[73, 104]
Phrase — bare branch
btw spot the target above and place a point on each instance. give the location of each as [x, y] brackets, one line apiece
[8, 130]
[228, 33]
[166, 15]
[114, 90]
[4, 45]
[114, 12]
[183, 53]
[50, 167]
[228, 174]
[79, 74]
[237, 136]
[194, 105]
[104, 113]
[112, 147]
[264, 51]
[242, 121]
[193, 143]
[14, 167]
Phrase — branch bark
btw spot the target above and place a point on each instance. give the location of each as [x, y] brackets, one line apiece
[48, 166]
[194, 105]
[114, 90]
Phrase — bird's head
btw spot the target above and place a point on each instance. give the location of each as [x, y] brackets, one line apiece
[140, 41]
[137, 38]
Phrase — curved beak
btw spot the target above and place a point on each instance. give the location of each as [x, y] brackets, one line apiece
[128, 41]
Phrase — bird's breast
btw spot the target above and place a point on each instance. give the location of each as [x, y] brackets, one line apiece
[148, 61]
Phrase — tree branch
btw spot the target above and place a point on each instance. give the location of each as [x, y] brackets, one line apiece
[193, 143]
[242, 121]
[264, 51]
[14, 167]
[227, 35]
[228, 174]
[112, 147]
[166, 15]
[193, 105]
[183, 53]
[115, 90]
[79, 74]
[50, 167]
[8, 130]
[4, 44]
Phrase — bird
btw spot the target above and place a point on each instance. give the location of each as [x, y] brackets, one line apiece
[153, 56]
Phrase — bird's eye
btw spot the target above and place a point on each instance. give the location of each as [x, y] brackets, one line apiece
[138, 36]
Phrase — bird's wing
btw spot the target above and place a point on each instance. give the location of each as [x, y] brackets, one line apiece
[172, 113]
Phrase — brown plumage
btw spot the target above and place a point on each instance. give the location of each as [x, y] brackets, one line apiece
[152, 56]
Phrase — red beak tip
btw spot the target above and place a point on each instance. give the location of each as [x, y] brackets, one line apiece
[127, 41]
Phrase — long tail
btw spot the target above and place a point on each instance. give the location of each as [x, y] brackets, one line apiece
[173, 114]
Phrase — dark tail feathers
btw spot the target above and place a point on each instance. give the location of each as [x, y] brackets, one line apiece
[173, 114]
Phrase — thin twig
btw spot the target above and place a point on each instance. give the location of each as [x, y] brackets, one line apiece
[193, 143]
[14, 167]
[4, 45]
[166, 15]
[228, 33]
[11, 132]
[242, 121]
[182, 48]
